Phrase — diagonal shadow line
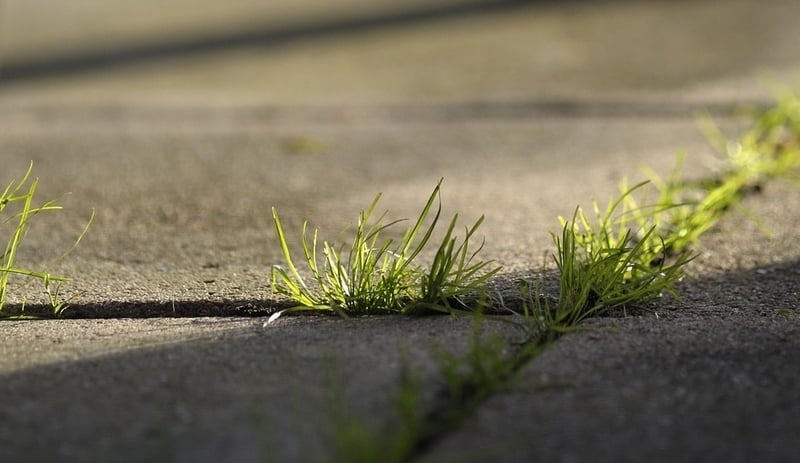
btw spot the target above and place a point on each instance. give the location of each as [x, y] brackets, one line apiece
[413, 113]
[80, 61]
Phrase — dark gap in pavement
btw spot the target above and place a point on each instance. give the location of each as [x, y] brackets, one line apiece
[154, 309]
[521, 109]
[450, 112]
[505, 287]
[450, 414]
[745, 284]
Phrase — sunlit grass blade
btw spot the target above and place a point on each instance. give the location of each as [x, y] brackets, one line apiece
[22, 193]
[453, 273]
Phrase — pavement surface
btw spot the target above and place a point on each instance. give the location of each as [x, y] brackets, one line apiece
[526, 109]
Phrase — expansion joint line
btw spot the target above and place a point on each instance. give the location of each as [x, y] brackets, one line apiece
[453, 411]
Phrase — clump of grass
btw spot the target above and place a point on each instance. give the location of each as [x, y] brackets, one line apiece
[302, 144]
[631, 254]
[17, 204]
[380, 275]
[768, 150]
[615, 260]
[699, 206]
[453, 273]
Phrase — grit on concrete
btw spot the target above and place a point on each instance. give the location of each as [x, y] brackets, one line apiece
[526, 110]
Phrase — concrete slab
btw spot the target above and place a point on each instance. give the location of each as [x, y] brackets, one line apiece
[526, 114]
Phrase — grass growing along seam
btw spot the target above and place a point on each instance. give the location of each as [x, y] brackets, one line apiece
[380, 275]
[619, 260]
[18, 208]
[633, 253]
[769, 150]
[468, 379]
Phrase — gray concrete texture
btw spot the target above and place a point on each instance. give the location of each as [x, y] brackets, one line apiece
[525, 108]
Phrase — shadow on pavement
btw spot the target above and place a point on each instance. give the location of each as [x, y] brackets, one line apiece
[255, 393]
[78, 61]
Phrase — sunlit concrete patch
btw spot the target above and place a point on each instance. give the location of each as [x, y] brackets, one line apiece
[39, 343]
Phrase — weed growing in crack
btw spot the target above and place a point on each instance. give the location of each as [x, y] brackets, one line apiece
[698, 206]
[378, 275]
[469, 377]
[17, 203]
[632, 254]
[769, 149]
[453, 273]
[354, 441]
[615, 260]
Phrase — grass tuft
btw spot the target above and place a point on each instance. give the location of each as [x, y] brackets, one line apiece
[17, 204]
[630, 254]
[769, 150]
[615, 260]
[380, 275]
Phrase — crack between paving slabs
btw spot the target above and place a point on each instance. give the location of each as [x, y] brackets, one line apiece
[452, 412]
